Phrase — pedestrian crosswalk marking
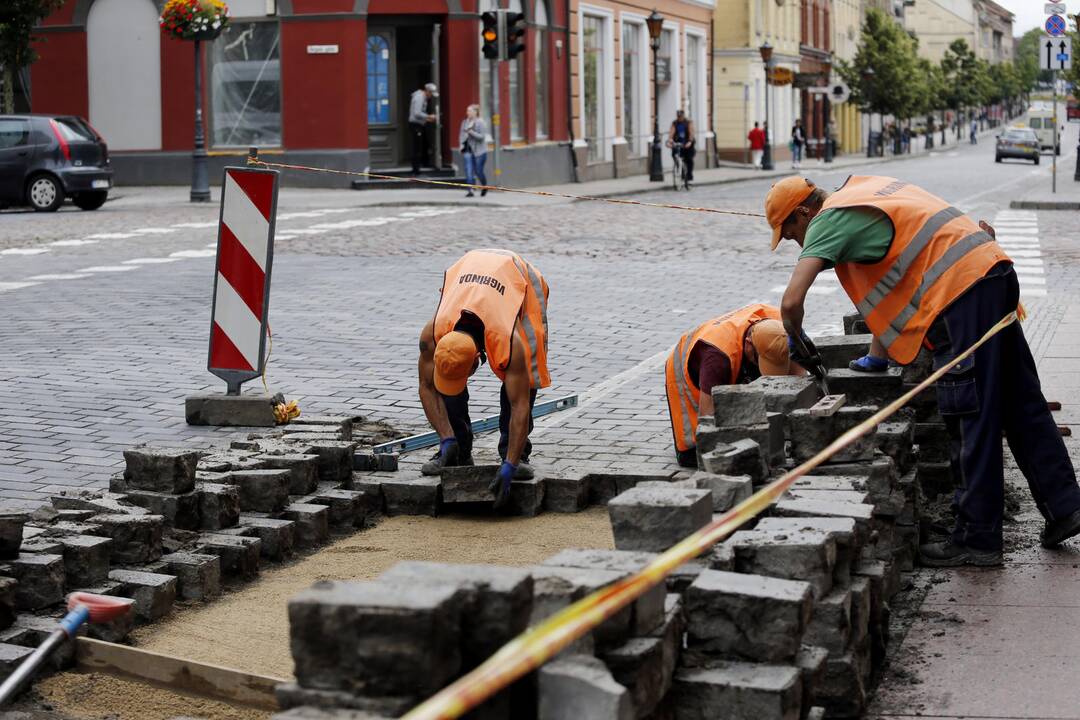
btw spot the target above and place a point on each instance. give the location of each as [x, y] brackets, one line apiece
[59, 276]
[106, 268]
[24, 251]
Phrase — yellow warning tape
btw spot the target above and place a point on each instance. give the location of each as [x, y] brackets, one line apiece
[539, 644]
[499, 188]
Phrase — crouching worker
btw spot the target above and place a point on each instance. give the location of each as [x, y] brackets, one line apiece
[734, 348]
[493, 309]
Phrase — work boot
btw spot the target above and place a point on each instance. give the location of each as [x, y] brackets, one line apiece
[951, 554]
[1058, 531]
[445, 456]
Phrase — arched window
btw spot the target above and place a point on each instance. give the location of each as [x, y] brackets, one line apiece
[540, 63]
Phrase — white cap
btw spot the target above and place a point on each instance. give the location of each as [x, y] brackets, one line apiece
[432, 88]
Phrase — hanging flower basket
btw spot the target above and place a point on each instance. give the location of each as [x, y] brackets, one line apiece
[194, 19]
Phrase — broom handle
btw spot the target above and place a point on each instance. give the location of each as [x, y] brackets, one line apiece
[68, 627]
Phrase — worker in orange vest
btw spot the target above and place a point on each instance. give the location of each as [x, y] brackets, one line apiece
[493, 309]
[734, 348]
[924, 274]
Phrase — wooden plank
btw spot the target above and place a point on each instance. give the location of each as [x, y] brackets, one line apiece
[176, 673]
[828, 405]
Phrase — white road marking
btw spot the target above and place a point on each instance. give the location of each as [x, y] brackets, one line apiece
[5, 286]
[307, 231]
[1020, 262]
[196, 225]
[150, 261]
[1026, 280]
[110, 236]
[291, 215]
[346, 224]
[72, 243]
[1032, 292]
[155, 231]
[59, 276]
[283, 237]
[106, 268]
[1026, 253]
[193, 254]
[24, 251]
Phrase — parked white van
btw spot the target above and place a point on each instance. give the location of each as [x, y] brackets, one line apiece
[1042, 122]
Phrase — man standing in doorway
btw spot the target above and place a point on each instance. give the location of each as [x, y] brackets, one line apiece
[419, 119]
[757, 144]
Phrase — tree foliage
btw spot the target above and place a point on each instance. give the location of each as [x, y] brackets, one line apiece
[17, 21]
[885, 74]
[1026, 57]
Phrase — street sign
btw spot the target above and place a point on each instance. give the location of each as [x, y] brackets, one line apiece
[781, 76]
[839, 92]
[1055, 53]
[1055, 26]
[1054, 8]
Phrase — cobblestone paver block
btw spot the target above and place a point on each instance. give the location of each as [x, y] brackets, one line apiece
[581, 687]
[160, 469]
[738, 690]
[654, 519]
[153, 593]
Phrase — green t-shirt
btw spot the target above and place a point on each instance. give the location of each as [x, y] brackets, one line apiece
[857, 234]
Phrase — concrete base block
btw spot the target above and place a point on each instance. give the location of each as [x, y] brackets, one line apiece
[527, 497]
[936, 478]
[7, 601]
[654, 519]
[198, 577]
[638, 665]
[32, 630]
[277, 537]
[311, 524]
[239, 555]
[219, 505]
[710, 437]
[811, 662]
[179, 511]
[830, 627]
[727, 490]
[850, 538]
[262, 490]
[738, 405]
[808, 555]
[11, 657]
[153, 593]
[784, 393]
[843, 693]
[810, 434]
[742, 457]
[861, 513]
[565, 494]
[581, 687]
[160, 469]
[372, 499]
[254, 410]
[604, 486]
[468, 484]
[738, 690]
[862, 388]
[335, 463]
[40, 580]
[648, 610]
[86, 559]
[136, 539]
[838, 350]
[11, 534]
[376, 638]
[749, 616]
[554, 588]
[303, 468]
[415, 496]
[344, 506]
[855, 325]
[896, 439]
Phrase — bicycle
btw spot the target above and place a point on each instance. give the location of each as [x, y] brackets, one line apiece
[678, 170]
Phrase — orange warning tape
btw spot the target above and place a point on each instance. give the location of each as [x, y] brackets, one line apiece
[466, 186]
[539, 644]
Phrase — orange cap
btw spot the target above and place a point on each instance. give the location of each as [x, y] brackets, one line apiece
[770, 340]
[455, 357]
[782, 200]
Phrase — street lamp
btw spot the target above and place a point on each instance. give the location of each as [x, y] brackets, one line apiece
[655, 21]
[868, 78]
[766, 57]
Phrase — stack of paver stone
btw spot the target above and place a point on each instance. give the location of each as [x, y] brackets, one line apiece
[786, 619]
[177, 523]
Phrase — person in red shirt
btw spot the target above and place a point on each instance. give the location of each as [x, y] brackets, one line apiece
[757, 144]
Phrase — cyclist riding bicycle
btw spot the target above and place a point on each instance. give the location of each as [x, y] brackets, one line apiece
[681, 141]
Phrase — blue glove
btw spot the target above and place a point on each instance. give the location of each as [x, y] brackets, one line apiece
[869, 363]
[500, 486]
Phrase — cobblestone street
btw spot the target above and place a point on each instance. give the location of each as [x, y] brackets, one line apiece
[106, 313]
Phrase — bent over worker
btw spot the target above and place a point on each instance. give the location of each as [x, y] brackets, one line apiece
[734, 348]
[493, 309]
[924, 274]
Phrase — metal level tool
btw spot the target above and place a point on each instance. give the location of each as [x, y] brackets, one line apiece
[430, 439]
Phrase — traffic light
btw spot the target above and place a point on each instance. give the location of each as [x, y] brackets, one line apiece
[489, 33]
[515, 34]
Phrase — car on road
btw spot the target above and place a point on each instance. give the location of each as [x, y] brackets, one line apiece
[1020, 143]
[47, 158]
[1042, 122]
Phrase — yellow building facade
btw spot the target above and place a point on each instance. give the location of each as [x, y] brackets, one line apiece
[847, 120]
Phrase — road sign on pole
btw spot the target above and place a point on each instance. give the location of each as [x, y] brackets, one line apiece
[1055, 26]
[1055, 53]
[1054, 8]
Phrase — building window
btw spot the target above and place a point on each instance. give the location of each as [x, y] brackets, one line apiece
[632, 72]
[694, 97]
[540, 68]
[245, 86]
[378, 79]
[594, 91]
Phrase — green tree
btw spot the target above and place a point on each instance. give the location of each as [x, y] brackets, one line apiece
[17, 21]
[964, 84]
[1027, 60]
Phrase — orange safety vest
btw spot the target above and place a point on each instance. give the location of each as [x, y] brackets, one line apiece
[725, 333]
[936, 254]
[509, 296]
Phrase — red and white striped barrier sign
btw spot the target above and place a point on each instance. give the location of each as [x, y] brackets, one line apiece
[242, 276]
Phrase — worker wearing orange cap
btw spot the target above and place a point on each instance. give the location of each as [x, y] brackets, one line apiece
[924, 274]
[736, 347]
[493, 308]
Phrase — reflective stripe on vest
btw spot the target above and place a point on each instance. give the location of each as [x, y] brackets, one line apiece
[726, 333]
[936, 254]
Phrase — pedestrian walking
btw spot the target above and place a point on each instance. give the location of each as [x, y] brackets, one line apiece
[905, 140]
[473, 140]
[757, 145]
[798, 139]
[419, 120]
[923, 274]
[732, 349]
[974, 131]
[492, 308]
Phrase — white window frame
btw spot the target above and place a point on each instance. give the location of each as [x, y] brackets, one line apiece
[640, 145]
[667, 114]
[702, 86]
[607, 76]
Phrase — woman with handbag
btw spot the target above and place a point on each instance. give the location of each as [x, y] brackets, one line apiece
[473, 139]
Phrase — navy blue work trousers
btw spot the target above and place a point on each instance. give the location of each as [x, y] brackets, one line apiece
[457, 411]
[995, 390]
